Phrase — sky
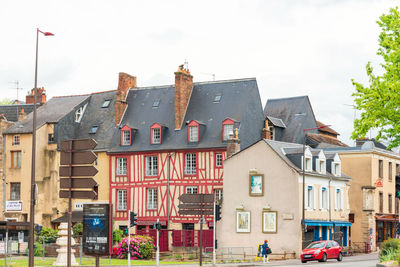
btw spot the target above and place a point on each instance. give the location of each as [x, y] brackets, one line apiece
[292, 47]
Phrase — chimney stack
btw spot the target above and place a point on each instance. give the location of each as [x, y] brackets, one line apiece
[266, 133]
[40, 98]
[22, 115]
[125, 82]
[183, 91]
[232, 144]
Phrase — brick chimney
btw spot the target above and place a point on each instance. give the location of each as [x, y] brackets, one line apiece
[21, 115]
[232, 144]
[183, 91]
[266, 133]
[125, 82]
[40, 98]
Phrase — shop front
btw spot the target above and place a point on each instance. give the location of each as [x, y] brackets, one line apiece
[385, 227]
[327, 230]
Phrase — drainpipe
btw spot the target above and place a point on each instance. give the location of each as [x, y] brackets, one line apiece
[4, 177]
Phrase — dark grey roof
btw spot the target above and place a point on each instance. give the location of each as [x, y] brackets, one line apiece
[52, 111]
[11, 112]
[240, 101]
[296, 113]
[276, 122]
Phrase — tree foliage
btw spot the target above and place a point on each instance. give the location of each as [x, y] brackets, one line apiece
[379, 102]
[5, 101]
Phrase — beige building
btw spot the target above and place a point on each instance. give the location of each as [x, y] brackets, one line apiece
[263, 198]
[374, 208]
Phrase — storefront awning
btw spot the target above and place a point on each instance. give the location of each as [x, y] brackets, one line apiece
[342, 223]
[318, 223]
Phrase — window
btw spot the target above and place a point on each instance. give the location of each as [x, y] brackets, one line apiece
[218, 195]
[324, 198]
[271, 132]
[79, 113]
[151, 166]
[121, 200]
[397, 169]
[308, 164]
[151, 198]
[336, 168]
[50, 138]
[15, 159]
[191, 189]
[156, 135]
[396, 206]
[16, 140]
[121, 166]
[15, 193]
[190, 163]
[106, 103]
[380, 168]
[93, 130]
[310, 198]
[339, 199]
[228, 130]
[193, 133]
[217, 98]
[390, 199]
[390, 172]
[380, 202]
[218, 160]
[156, 103]
[126, 137]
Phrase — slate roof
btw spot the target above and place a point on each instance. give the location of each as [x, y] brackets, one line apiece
[276, 122]
[11, 112]
[240, 101]
[323, 141]
[52, 111]
[368, 146]
[296, 113]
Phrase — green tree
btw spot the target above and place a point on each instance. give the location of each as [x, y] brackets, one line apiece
[5, 101]
[379, 102]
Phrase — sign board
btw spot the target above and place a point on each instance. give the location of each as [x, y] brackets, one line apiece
[79, 205]
[96, 229]
[379, 183]
[14, 205]
[196, 198]
[20, 237]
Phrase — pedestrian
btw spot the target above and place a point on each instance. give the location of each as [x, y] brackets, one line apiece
[265, 251]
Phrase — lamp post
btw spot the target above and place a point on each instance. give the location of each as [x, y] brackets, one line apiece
[303, 223]
[33, 187]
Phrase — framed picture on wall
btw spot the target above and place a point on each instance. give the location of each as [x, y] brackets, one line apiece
[256, 185]
[243, 221]
[269, 221]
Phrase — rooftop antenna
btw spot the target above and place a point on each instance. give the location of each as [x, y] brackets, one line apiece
[186, 64]
[17, 88]
[212, 74]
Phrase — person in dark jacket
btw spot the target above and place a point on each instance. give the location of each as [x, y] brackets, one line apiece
[265, 251]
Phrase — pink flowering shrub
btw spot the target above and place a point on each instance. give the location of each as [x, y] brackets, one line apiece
[141, 247]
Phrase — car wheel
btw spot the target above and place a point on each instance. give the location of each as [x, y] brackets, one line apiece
[324, 258]
[303, 261]
[340, 256]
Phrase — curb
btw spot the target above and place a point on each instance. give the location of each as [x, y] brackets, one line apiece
[381, 265]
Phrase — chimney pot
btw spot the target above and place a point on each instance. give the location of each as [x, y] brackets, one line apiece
[125, 82]
[183, 91]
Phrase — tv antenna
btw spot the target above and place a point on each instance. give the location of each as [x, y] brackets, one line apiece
[210, 74]
[17, 88]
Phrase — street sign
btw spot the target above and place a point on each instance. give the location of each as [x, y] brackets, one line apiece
[78, 157]
[78, 145]
[78, 183]
[196, 206]
[196, 198]
[78, 194]
[196, 212]
[96, 229]
[78, 171]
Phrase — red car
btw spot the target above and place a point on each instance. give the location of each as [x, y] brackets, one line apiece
[321, 251]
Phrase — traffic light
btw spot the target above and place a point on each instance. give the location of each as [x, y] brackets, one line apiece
[397, 186]
[398, 228]
[157, 226]
[218, 212]
[133, 219]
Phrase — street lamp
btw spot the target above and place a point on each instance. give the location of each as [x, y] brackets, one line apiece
[33, 187]
[304, 167]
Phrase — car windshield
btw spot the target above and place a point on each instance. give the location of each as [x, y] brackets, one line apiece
[316, 245]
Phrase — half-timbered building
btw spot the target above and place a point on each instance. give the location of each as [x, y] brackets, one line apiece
[173, 140]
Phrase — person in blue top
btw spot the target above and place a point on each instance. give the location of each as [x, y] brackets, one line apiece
[265, 251]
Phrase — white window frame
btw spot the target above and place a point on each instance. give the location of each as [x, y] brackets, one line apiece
[218, 159]
[310, 195]
[14, 193]
[79, 113]
[219, 194]
[190, 163]
[191, 190]
[122, 199]
[324, 199]
[122, 166]
[156, 135]
[228, 130]
[307, 161]
[194, 133]
[151, 165]
[151, 198]
[16, 140]
[338, 199]
[126, 137]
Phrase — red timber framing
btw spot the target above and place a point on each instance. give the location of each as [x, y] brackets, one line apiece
[207, 178]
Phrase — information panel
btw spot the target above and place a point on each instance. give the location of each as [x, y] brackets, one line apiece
[96, 229]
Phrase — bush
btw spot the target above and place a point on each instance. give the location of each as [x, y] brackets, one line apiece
[117, 235]
[37, 249]
[390, 250]
[49, 235]
[141, 247]
[77, 229]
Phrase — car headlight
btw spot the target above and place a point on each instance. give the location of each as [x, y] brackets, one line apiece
[317, 251]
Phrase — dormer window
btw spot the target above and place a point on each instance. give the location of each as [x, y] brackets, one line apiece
[106, 103]
[307, 160]
[126, 136]
[193, 131]
[321, 163]
[336, 166]
[94, 129]
[79, 113]
[227, 129]
[155, 134]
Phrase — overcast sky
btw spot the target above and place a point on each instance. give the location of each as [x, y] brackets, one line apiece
[298, 47]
